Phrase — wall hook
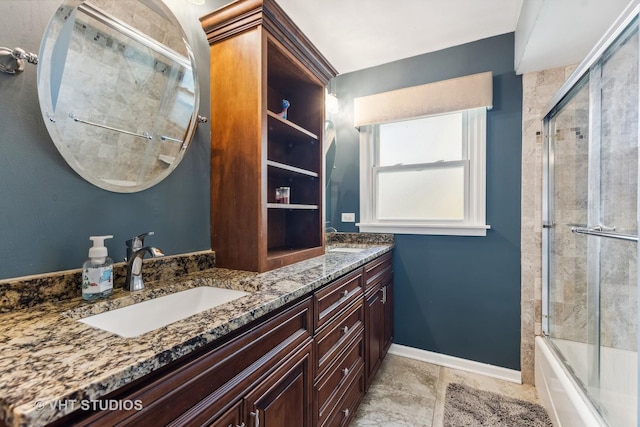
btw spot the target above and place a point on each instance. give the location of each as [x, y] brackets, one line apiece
[12, 60]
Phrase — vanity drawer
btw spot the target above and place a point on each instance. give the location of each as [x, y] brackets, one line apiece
[347, 403]
[378, 269]
[333, 339]
[333, 298]
[338, 375]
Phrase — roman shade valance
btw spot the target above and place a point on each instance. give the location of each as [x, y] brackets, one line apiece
[457, 94]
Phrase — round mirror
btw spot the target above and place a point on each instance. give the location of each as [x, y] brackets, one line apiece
[118, 90]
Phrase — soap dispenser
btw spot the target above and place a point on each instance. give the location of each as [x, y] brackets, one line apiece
[97, 271]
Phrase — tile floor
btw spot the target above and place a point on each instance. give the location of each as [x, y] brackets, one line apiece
[410, 393]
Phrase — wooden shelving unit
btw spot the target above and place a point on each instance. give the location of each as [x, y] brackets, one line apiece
[258, 58]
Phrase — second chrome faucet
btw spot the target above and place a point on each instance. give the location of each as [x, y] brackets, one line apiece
[135, 253]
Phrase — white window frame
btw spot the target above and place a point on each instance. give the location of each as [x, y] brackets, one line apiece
[474, 222]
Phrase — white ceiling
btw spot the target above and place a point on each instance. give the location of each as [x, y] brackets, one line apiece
[358, 34]
[551, 33]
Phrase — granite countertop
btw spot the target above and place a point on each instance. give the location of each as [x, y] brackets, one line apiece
[51, 362]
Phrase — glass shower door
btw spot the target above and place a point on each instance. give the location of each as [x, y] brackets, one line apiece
[591, 216]
[568, 294]
[613, 212]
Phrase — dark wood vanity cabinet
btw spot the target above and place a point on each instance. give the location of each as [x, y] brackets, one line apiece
[265, 371]
[307, 365]
[378, 276]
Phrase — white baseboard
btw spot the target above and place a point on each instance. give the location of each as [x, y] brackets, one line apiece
[457, 363]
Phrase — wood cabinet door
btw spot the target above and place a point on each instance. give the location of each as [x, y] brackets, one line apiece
[374, 332]
[231, 418]
[387, 297]
[283, 398]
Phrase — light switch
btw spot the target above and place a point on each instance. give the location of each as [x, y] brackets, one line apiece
[348, 217]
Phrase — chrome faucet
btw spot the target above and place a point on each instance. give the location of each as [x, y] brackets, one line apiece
[135, 253]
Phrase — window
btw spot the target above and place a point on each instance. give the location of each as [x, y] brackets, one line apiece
[424, 175]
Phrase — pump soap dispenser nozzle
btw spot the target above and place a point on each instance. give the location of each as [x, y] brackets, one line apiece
[98, 252]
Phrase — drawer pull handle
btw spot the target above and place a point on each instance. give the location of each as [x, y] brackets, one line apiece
[384, 294]
[345, 330]
[256, 418]
[345, 293]
[345, 372]
[346, 412]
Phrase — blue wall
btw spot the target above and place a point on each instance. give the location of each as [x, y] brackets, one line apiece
[454, 295]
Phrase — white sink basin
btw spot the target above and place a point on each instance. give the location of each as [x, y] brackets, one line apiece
[351, 250]
[140, 318]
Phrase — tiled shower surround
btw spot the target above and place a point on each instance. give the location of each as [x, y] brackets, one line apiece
[538, 91]
[162, 104]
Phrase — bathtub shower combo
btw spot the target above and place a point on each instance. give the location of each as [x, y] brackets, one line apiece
[587, 358]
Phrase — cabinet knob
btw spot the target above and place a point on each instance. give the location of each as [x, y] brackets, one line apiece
[345, 372]
[346, 412]
[345, 293]
[345, 329]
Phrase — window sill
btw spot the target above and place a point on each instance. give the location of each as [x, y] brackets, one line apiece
[435, 230]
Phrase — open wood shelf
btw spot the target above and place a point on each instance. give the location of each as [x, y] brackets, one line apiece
[279, 257]
[278, 125]
[289, 168]
[290, 206]
[283, 252]
[254, 151]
